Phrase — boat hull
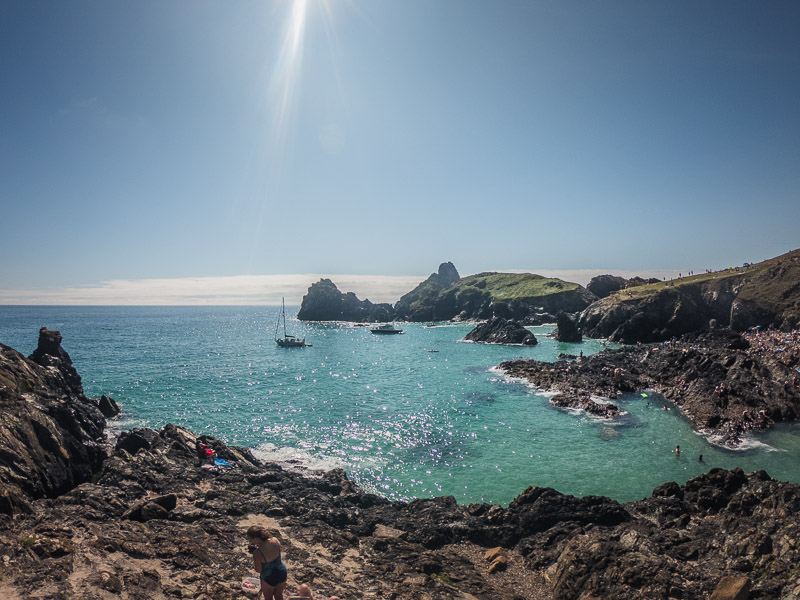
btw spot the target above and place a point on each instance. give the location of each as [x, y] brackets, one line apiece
[291, 343]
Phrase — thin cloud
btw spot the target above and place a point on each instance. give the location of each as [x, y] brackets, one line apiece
[231, 290]
[256, 290]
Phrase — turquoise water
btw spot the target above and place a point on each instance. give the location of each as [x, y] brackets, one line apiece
[402, 420]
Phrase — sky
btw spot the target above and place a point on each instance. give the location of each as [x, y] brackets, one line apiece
[234, 152]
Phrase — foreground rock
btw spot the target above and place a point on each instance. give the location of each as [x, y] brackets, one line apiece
[502, 331]
[725, 383]
[153, 523]
[50, 433]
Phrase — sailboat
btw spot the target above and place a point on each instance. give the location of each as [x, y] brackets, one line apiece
[287, 341]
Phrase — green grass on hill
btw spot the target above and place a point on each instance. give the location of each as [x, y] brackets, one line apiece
[514, 286]
[772, 282]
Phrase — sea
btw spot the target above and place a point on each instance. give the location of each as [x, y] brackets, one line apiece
[416, 415]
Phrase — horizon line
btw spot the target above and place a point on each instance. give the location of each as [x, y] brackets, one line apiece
[257, 290]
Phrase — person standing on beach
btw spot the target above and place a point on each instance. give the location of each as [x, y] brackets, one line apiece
[267, 562]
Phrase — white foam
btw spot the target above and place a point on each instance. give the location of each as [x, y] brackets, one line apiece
[748, 442]
[294, 459]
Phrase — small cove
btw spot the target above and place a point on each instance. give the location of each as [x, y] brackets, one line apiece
[401, 420]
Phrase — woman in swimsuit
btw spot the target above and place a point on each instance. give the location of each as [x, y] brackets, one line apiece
[267, 562]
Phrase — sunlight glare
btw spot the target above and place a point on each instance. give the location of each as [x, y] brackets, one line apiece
[286, 75]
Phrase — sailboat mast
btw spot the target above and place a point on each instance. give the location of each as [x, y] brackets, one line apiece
[283, 309]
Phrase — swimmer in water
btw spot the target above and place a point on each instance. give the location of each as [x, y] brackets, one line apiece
[677, 450]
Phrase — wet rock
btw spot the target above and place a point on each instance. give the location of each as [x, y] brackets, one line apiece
[502, 331]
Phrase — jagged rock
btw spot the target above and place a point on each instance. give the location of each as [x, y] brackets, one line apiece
[502, 331]
[713, 377]
[324, 302]
[51, 434]
[49, 353]
[566, 330]
[108, 406]
[186, 538]
[421, 303]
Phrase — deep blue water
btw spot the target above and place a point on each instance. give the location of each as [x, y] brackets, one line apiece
[403, 420]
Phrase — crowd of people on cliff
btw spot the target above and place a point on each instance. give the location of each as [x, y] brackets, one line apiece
[784, 345]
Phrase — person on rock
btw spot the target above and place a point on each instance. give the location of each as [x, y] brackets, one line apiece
[267, 562]
[304, 591]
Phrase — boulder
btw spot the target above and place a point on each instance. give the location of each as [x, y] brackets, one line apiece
[605, 285]
[566, 329]
[108, 406]
[732, 588]
[502, 331]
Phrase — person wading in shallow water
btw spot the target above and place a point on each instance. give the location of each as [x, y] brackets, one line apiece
[267, 562]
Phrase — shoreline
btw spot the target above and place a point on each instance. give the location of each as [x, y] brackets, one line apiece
[718, 379]
[143, 519]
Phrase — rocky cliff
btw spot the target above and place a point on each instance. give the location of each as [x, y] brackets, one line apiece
[51, 434]
[757, 295]
[153, 523]
[420, 303]
[518, 296]
[324, 302]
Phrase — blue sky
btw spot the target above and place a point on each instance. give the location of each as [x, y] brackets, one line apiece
[170, 141]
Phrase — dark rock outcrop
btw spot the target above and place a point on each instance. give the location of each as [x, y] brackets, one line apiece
[724, 382]
[324, 302]
[566, 329]
[603, 286]
[502, 331]
[518, 296]
[51, 434]
[420, 303]
[757, 295]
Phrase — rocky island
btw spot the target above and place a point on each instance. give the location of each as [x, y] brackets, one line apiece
[446, 296]
[140, 518]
